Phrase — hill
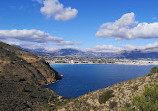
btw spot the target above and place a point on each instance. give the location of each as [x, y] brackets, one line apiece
[22, 75]
[24, 65]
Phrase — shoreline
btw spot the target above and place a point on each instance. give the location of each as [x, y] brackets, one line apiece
[107, 63]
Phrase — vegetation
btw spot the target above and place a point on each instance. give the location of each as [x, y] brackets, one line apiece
[106, 96]
[113, 104]
[135, 87]
[154, 70]
[147, 101]
[23, 90]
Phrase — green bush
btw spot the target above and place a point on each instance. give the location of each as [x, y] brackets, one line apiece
[154, 70]
[148, 101]
[106, 96]
[127, 109]
[113, 104]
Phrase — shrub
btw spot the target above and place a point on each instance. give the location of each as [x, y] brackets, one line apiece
[148, 101]
[135, 87]
[106, 96]
[154, 70]
[113, 104]
[71, 99]
[127, 109]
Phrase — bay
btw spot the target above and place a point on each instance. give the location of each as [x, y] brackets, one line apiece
[80, 79]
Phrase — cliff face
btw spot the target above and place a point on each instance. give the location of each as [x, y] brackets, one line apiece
[15, 62]
[112, 98]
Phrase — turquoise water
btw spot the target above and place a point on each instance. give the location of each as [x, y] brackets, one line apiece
[80, 79]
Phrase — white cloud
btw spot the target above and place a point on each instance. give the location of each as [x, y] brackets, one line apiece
[127, 28]
[32, 35]
[66, 43]
[46, 47]
[132, 47]
[42, 46]
[28, 35]
[56, 9]
[113, 49]
[105, 48]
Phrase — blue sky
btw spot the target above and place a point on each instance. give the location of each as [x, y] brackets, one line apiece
[79, 26]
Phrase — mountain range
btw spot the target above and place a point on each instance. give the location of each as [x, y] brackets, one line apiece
[151, 53]
[69, 52]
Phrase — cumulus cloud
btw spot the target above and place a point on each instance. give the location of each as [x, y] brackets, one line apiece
[127, 28]
[28, 35]
[45, 47]
[66, 43]
[132, 47]
[32, 35]
[56, 9]
[105, 48]
[42, 46]
[113, 49]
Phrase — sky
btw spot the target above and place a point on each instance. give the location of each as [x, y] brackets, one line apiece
[89, 25]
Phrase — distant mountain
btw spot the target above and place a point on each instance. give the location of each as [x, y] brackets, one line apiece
[79, 53]
[69, 52]
[151, 53]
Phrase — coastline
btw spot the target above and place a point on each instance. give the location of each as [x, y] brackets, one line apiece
[107, 63]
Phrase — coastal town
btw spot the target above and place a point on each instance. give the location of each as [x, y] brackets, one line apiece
[86, 60]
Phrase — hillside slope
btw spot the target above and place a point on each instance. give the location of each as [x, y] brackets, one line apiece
[112, 98]
[21, 77]
[22, 64]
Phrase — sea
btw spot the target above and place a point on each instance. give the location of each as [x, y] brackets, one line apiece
[80, 79]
